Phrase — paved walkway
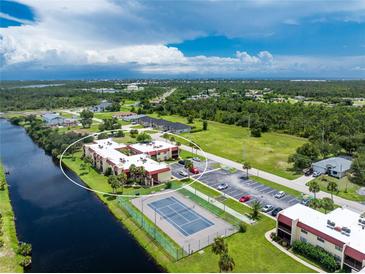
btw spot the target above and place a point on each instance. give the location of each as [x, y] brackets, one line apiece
[267, 236]
[297, 184]
[220, 205]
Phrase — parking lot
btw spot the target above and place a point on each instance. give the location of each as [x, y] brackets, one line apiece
[238, 184]
[176, 168]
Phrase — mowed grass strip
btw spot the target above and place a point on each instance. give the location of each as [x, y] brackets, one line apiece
[9, 260]
[270, 152]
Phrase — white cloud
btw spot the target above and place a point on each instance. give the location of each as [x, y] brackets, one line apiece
[137, 33]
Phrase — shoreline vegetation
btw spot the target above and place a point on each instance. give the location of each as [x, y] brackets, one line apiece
[251, 251]
[9, 259]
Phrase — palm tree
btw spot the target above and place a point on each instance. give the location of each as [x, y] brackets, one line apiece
[226, 263]
[314, 188]
[219, 246]
[113, 181]
[332, 187]
[256, 207]
[247, 166]
[122, 179]
[327, 204]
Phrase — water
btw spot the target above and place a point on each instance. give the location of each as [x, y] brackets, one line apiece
[69, 228]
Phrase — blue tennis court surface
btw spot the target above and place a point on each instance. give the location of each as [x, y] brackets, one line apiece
[185, 219]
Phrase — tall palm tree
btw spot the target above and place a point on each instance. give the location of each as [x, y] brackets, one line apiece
[226, 263]
[122, 179]
[247, 166]
[256, 207]
[332, 187]
[219, 246]
[314, 188]
[113, 181]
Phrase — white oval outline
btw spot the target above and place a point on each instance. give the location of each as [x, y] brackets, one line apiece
[129, 195]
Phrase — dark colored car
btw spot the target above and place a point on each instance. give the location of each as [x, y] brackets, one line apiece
[245, 198]
[276, 211]
[181, 162]
[308, 171]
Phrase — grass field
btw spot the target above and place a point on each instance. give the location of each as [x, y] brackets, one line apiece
[269, 152]
[9, 260]
[250, 250]
[347, 189]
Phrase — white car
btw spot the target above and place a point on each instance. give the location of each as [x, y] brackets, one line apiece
[316, 174]
[267, 208]
[222, 186]
[183, 173]
[196, 159]
[280, 195]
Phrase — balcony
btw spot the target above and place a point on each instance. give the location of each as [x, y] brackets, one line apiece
[354, 264]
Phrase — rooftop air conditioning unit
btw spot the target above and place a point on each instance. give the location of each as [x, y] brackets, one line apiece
[346, 231]
[331, 224]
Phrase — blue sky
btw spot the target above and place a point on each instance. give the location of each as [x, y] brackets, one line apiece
[177, 39]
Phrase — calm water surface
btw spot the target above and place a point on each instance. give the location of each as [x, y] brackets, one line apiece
[69, 228]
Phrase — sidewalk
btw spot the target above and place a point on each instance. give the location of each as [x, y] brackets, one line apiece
[267, 236]
[220, 205]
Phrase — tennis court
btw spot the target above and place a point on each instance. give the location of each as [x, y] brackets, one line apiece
[189, 225]
[185, 219]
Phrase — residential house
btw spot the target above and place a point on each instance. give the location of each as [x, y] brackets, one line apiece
[335, 166]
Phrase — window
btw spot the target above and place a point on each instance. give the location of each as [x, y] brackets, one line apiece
[339, 248]
[320, 239]
[304, 231]
[304, 240]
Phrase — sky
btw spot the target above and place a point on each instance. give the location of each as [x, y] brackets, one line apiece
[109, 39]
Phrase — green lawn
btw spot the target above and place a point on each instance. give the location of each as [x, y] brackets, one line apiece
[269, 152]
[9, 260]
[251, 251]
[347, 189]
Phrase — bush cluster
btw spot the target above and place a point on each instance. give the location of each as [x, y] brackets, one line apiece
[318, 254]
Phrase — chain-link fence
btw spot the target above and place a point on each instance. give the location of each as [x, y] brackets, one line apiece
[175, 250]
[171, 248]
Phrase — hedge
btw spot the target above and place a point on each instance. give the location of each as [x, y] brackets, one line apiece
[318, 254]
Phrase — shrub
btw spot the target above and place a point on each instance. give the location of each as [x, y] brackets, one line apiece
[168, 185]
[1, 243]
[26, 261]
[255, 132]
[243, 227]
[318, 254]
[24, 249]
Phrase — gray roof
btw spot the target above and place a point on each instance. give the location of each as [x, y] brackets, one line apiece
[339, 164]
[164, 123]
[50, 116]
[133, 117]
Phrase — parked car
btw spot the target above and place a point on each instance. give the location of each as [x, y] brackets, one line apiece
[267, 208]
[305, 202]
[183, 173]
[308, 171]
[316, 174]
[222, 186]
[245, 198]
[280, 195]
[194, 170]
[196, 159]
[181, 162]
[276, 211]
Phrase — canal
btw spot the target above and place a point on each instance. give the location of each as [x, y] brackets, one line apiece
[69, 228]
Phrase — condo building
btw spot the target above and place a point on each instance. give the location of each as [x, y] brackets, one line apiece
[120, 157]
[340, 232]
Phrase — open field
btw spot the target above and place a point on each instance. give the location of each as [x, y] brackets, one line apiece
[9, 260]
[269, 152]
[250, 250]
[347, 189]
